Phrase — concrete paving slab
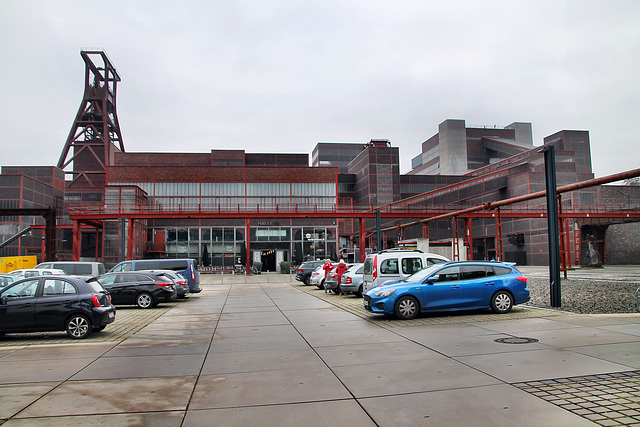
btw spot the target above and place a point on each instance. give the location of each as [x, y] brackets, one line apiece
[267, 388]
[59, 351]
[539, 364]
[146, 346]
[474, 345]
[579, 336]
[317, 414]
[252, 319]
[435, 373]
[15, 371]
[142, 367]
[187, 319]
[235, 345]
[193, 335]
[322, 315]
[113, 396]
[534, 324]
[348, 337]
[599, 319]
[262, 360]
[445, 330]
[256, 331]
[363, 354]
[156, 419]
[353, 324]
[629, 328]
[495, 405]
[627, 354]
[15, 397]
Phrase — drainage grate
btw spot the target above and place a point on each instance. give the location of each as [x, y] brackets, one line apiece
[516, 340]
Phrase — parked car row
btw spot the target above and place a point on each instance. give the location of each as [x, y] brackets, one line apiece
[405, 283]
[52, 299]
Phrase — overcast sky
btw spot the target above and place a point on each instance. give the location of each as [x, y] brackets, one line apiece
[283, 75]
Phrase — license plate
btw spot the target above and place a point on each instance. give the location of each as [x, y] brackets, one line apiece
[366, 304]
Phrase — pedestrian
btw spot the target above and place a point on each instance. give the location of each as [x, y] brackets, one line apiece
[340, 269]
[327, 267]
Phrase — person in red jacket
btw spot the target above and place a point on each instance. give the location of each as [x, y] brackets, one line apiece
[327, 267]
[340, 269]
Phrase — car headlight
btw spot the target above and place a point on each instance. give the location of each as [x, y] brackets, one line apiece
[385, 292]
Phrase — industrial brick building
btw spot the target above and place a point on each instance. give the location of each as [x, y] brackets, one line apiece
[229, 208]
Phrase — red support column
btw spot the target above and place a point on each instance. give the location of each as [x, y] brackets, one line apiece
[468, 233]
[77, 241]
[425, 231]
[455, 247]
[247, 236]
[363, 241]
[499, 246]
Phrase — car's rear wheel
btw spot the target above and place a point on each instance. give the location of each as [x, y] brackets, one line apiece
[359, 293]
[407, 308]
[144, 300]
[307, 280]
[78, 326]
[501, 302]
[321, 285]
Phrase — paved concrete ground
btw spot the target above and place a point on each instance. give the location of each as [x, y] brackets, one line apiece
[273, 353]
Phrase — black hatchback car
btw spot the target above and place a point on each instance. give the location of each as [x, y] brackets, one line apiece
[305, 269]
[139, 288]
[55, 303]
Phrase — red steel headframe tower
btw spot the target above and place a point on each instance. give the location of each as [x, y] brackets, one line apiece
[95, 135]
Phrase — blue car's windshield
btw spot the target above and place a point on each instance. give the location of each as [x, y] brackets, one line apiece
[419, 276]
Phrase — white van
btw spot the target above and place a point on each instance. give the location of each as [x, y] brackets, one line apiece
[75, 268]
[396, 264]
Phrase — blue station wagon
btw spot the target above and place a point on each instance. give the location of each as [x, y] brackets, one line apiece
[451, 286]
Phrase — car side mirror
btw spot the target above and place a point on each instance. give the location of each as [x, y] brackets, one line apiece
[431, 280]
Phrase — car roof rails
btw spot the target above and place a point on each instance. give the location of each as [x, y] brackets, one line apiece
[391, 250]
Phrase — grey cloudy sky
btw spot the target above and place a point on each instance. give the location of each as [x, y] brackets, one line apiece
[283, 75]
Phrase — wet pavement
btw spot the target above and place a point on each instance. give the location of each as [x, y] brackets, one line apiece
[265, 351]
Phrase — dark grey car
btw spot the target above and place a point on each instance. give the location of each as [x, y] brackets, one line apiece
[306, 268]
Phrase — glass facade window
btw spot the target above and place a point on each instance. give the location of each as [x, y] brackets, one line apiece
[230, 195]
[226, 246]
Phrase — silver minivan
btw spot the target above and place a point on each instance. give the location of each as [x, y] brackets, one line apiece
[396, 264]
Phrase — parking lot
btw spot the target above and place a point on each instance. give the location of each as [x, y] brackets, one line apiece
[263, 350]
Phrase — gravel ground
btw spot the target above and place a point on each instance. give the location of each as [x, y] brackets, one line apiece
[586, 296]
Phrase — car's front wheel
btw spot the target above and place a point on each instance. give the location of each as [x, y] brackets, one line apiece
[407, 308]
[144, 300]
[78, 326]
[501, 302]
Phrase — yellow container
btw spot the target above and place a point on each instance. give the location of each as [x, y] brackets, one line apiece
[10, 263]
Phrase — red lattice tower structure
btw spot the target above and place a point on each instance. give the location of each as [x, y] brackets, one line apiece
[95, 135]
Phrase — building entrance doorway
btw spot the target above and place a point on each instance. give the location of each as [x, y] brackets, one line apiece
[268, 259]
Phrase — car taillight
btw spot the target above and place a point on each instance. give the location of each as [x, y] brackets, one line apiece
[193, 273]
[522, 279]
[334, 275]
[109, 298]
[300, 271]
[164, 284]
[182, 282]
[95, 301]
[349, 281]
